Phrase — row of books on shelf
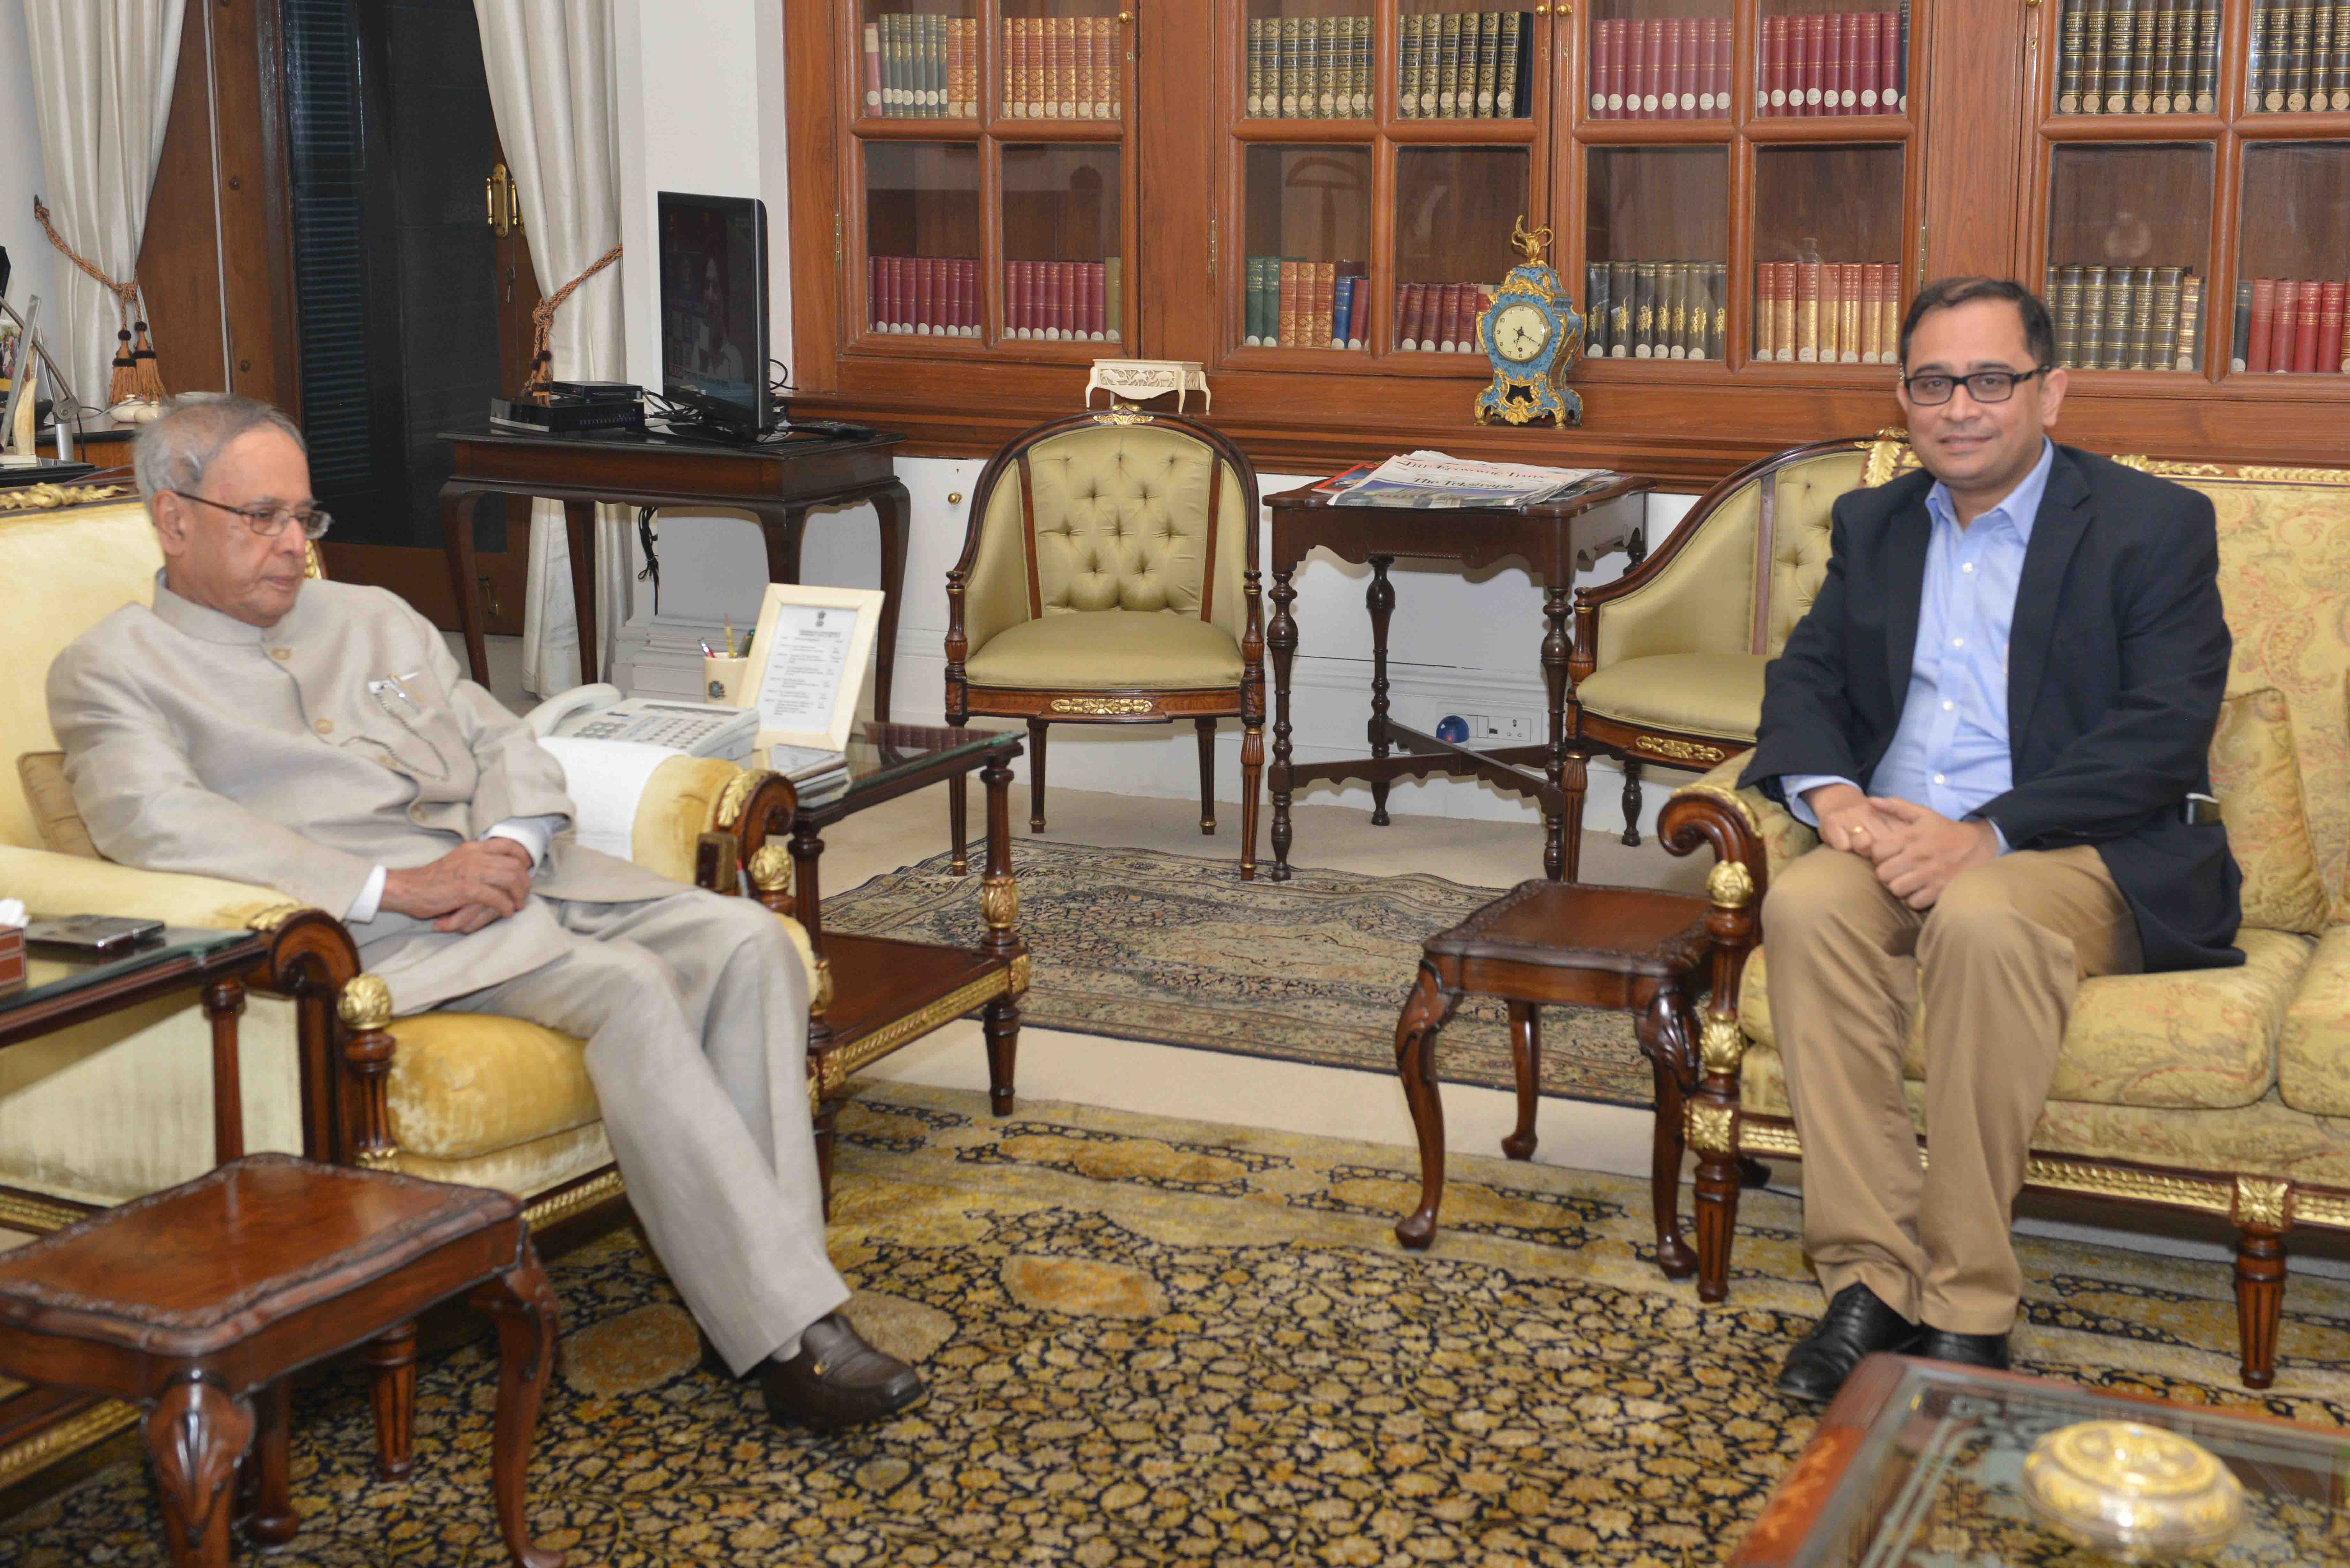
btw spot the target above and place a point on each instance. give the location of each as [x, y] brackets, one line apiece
[1670, 68]
[1292, 303]
[1827, 313]
[2301, 59]
[1061, 67]
[2139, 57]
[930, 296]
[1655, 309]
[1309, 68]
[921, 67]
[1063, 301]
[1854, 62]
[2289, 324]
[2126, 317]
[1441, 318]
[1465, 65]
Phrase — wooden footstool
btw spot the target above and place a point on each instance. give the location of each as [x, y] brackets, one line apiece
[198, 1302]
[1561, 943]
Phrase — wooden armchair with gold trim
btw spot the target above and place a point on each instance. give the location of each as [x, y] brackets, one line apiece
[1109, 577]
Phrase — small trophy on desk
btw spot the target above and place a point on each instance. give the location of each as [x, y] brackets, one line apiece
[1532, 334]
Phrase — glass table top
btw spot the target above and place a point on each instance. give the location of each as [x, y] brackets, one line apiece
[1937, 1480]
[879, 756]
[47, 977]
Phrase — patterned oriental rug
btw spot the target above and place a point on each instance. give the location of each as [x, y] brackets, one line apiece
[1152, 1340]
[1177, 950]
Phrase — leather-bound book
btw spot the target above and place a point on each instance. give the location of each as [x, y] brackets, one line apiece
[1364, 94]
[1621, 284]
[2141, 78]
[2138, 349]
[2308, 309]
[1253, 104]
[2283, 319]
[1847, 25]
[1672, 67]
[1411, 51]
[1064, 101]
[2096, 22]
[2183, 351]
[1640, 79]
[2340, 89]
[1766, 318]
[1833, 67]
[2162, 338]
[2092, 349]
[1811, 56]
[2325, 16]
[1831, 312]
[1599, 69]
[1505, 72]
[1770, 82]
[875, 310]
[925, 294]
[1319, 329]
[1716, 98]
[1253, 332]
[1112, 102]
[2296, 70]
[1672, 313]
[1854, 298]
[2207, 56]
[1489, 62]
[1888, 64]
[1447, 65]
[1807, 313]
[2329, 328]
[1783, 306]
[2255, 325]
[2182, 58]
[2121, 298]
[1594, 309]
[2066, 308]
[2166, 46]
[1460, 324]
[1411, 303]
[1867, 72]
[2068, 57]
[1285, 329]
[2276, 53]
[2121, 37]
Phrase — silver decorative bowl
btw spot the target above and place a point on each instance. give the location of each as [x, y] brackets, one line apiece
[2134, 1493]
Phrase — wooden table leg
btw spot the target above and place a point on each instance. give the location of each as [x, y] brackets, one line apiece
[194, 1435]
[392, 1389]
[1281, 637]
[1665, 1034]
[807, 894]
[523, 1303]
[782, 528]
[273, 1521]
[1380, 600]
[959, 826]
[223, 1001]
[1038, 730]
[893, 513]
[579, 533]
[457, 548]
[999, 908]
[1424, 1013]
[1526, 1052]
[1560, 856]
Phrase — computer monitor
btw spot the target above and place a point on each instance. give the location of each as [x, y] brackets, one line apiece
[713, 291]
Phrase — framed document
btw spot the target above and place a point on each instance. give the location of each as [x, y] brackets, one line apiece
[807, 663]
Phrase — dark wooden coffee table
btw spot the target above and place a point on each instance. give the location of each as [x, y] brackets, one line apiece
[1917, 1463]
[1561, 944]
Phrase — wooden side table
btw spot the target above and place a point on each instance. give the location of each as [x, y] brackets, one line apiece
[1553, 539]
[1562, 944]
[197, 1303]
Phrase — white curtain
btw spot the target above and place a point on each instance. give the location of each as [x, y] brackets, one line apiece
[553, 91]
[102, 73]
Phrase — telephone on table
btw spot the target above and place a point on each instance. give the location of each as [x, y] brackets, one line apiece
[600, 712]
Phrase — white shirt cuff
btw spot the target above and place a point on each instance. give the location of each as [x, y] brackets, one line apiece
[533, 833]
[1792, 787]
[363, 908]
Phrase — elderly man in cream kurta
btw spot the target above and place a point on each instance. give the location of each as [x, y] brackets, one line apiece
[317, 738]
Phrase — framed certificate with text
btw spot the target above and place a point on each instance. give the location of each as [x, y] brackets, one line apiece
[807, 663]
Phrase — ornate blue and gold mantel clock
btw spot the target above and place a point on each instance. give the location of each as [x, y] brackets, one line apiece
[1532, 334]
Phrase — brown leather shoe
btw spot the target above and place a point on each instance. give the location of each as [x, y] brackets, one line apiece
[836, 1380]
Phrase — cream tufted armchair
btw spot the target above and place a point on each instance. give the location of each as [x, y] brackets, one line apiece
[1667, 659]
[1110, 578]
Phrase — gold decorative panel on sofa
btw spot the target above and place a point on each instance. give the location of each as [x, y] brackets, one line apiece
[2224, 1090]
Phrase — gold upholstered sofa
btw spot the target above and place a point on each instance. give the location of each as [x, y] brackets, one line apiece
[96, 1115]
[2222, 1090]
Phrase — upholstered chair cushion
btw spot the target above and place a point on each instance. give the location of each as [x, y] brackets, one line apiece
[1706, 693]
[50, 799]
[1703, 602]
[2258, 780]
[1108, 650]
[2314, 1055]
[1800, 532]
[464, 1085]
[1121, 516]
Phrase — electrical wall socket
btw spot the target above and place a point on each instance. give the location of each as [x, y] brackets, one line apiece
[1515, 728]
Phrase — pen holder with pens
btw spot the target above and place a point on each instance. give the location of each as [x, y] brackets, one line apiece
[721, 678]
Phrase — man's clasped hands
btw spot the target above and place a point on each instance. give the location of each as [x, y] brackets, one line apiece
[1917, 851]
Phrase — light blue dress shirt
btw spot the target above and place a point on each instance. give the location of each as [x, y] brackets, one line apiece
[1950, 751]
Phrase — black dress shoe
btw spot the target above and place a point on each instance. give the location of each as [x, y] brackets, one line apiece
[836, 1380]
[1966, 1349]
[1855, 1325]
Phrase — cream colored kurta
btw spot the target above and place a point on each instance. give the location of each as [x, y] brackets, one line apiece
[302, 755]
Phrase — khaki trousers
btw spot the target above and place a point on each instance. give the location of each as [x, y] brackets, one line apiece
[695, 1009]
[1995, 965]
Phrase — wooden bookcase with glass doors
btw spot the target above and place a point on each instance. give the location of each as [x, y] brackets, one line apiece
[1307, 197]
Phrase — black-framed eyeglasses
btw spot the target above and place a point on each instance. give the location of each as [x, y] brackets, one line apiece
[270, 521]
[1983, 386]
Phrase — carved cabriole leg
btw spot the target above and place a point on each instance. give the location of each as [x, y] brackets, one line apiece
[273, 1521]
[391, 1357]
[1424, 1013]
[523, 1303]
[1036, 776]
[1525, 1054]
[1664, 1036]
[893, 513]
[1561, 853]
[1380, 599]
[194, 1435]
[1281, 637]
[2264, 1212]
[1631, 804]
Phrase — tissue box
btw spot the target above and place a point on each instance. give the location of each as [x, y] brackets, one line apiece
[11, 956]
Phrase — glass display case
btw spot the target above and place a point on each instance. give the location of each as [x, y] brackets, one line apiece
[923, 238]
[1655, 248]
[1306, 269]
[1658, 59]
[1456, 62]
[2292, 259]
[1828, 247]
[2129, 242]
[1447, 264]
[1815, 59]
[917, 59]
[1309, 60]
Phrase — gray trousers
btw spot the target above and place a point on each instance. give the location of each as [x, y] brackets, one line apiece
[695, 1009]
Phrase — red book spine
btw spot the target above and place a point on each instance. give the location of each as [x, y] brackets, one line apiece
[888, 304]
[1677, 68]
[1032, 299]
[1652, 68]
[1771, 89]
[1622, 96]
[1889, 62]
[1855, 40]
[2256, 350]
[1815, 65]
[1836, 70]
[1867, 74]
[1717, 50]
[2329, 326]
[873, 292]
[2304, 332]
[1015, 319]
[1631, 42]
[1413, 313]
[1064, 314]
[926, 294]
[1798, 79]
[967, 295]
[1603, 42]
[2288, 312]
[1448, 330]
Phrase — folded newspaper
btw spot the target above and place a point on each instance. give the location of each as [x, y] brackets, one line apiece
[1432, 479]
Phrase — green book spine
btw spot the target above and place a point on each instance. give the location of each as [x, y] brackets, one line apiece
[1505, 73]
[1408, 68]
[890, 65]
[1252, 302]
[2093, 24]
[2182, 61]
[2121, 37]
[2243, 326]
[1594, 309]
[2340, 91]
[1448, 69]
[1289, 40]
[1309, 68]
[935, 57]
[1647, 278]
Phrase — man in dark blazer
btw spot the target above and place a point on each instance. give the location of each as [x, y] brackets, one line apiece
[1996, 712]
